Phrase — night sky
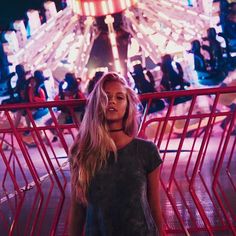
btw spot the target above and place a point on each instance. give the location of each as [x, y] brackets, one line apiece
[11, 10]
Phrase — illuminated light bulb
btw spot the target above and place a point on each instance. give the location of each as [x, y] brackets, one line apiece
[128, 14]
[139, 35]
[110, 6]
[86, 8]
[57, 36]
[49, 26]
[112, 38]
[19, 53]
[162, 15]
[118, 66]
[38, 60]
[167, 31]
[39, 35]
[104, 7]
[73, 54]
[47, 49]
[92, 8]
[88, 21]
[73, 4]
[109, 19]
[29, 44]
[204, 17]
[123, 4]
[176, 23]
[179, 8]
[76, 8]
[168, 4]
[115, 52]
[175, 36]
[192, 12]
[188, 37]
[191, 32]
[128, 3]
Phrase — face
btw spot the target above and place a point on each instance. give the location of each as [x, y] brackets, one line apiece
[117, 102]
[32, 82]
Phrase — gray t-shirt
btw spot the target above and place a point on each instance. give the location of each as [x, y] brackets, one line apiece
[117, 195]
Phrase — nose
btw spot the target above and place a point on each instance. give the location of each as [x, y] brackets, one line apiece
[111, 100]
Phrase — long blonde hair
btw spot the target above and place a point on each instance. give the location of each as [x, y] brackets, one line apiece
[93, 144]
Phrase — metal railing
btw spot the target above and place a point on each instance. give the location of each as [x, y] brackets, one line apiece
[195, 134]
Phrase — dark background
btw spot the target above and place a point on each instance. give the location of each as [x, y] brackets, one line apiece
[11, 10]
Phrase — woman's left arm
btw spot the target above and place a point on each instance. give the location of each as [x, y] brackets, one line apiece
[153, 191]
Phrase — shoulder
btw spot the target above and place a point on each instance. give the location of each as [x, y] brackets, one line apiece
[145, 143]
[145, 146]
[148, 153]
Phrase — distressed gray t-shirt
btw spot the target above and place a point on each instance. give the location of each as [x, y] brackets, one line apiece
[117, 196]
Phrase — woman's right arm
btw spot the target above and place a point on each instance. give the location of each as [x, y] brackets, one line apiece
[77, 217]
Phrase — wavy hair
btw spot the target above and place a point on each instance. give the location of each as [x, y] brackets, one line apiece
[93, 143]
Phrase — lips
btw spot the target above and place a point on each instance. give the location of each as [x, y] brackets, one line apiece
[111, 109]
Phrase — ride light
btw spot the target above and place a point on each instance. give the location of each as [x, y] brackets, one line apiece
[64, 85]
[101, 7]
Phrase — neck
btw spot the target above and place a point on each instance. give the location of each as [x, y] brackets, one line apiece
[116, 130]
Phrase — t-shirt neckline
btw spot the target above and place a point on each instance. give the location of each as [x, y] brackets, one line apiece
[127, 145]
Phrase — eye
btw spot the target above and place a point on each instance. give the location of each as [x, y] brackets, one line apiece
[109, 96]
[120, 97]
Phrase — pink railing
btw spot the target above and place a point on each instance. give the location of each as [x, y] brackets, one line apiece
[198, 177]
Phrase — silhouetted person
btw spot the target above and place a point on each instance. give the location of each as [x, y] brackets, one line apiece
[142, 85]
[17, 93]
[69, 89]
[214, 49]
[199, 60]
[200, 66]
[31, 92]
[39, 76]
[172, 74]
[172, 78]
[94, 80]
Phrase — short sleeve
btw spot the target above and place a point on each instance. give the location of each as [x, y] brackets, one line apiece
[152, 157]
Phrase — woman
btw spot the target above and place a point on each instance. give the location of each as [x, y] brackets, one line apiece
[69, 88]
[172, 75]
[37, 94]
[115, 176]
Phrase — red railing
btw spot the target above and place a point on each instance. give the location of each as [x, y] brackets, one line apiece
[195, 134]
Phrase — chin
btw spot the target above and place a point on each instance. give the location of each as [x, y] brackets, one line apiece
[113, 119]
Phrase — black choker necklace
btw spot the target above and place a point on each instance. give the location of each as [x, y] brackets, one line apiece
[115, 130]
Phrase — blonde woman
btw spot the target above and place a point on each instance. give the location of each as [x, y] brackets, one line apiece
[115, 176]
